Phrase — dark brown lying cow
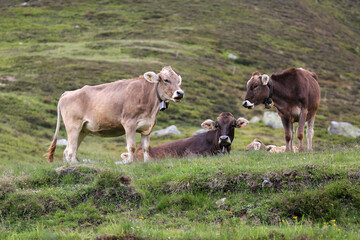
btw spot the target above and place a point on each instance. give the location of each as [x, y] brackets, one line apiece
[217, 140]
[295, 93]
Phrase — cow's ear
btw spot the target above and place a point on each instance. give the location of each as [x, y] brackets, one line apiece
[241, 122]
[180, 80]
[265, 79]
[151, 77]
[208, 124]
[125, 156]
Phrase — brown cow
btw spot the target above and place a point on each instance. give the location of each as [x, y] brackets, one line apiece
[295, 93]
[114, 109]
[217, 140]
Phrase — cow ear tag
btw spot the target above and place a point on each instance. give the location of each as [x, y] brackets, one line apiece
[163, 105]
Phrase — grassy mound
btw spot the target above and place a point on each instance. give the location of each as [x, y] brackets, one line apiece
[254, 195]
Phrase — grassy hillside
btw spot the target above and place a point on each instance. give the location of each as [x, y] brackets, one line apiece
[48, 47]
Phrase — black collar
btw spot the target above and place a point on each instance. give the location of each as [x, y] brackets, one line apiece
[269, 101]
[163, 104]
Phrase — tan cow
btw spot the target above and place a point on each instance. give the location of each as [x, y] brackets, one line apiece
[256, 145]
[117, 108]
[276, 149]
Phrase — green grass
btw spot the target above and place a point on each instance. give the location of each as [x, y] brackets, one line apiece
[311, 195]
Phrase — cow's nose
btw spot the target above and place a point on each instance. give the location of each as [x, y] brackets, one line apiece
[179, 94]
[247, 104]
[224, 139]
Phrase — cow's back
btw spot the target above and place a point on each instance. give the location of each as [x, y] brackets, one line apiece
[300, 88]
[105, 108]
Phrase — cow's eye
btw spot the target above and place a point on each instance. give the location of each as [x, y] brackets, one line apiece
[255, 86]
[166, 80]
[233, 125]
[216, 125]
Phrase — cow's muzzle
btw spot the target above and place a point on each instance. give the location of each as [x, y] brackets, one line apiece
[178, 95]
[224, 143]
[248, 104]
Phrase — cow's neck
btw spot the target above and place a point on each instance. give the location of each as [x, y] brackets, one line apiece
[279, 95]
[269, 101]
[163, 105]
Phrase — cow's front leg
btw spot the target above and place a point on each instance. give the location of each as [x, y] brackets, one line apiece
[300, 129]
[292, 136]
[310, 134]
[130, 143]
[145, 142]
[288, 133]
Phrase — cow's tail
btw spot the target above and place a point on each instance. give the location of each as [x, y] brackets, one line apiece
[50, 156]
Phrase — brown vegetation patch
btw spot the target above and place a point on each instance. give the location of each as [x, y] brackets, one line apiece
[113, 237]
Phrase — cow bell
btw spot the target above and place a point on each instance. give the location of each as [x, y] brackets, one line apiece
[163, 105]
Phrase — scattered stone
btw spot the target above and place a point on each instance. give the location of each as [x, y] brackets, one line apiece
[2, 85]
[344, 128]
[267, 183]
[255, 120]
[77, 26]
[24, 4]
[272, 119]
[220, 203]
[232, 56]
[8, 78]
[20, 43]
[87, 160]
[287, 172]
[197, 132]
[171, 130]
[61, 142]
[123, 162]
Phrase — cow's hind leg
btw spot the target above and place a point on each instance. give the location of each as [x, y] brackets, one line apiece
[145, 142]
[310, 133]
[300, 129]
[288, 133]
[74, 139]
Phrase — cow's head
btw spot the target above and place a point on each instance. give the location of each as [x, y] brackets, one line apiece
[225, 129]
[256, 145]
[257, 90]
[168, 84]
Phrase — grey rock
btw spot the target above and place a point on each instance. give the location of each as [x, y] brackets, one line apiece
[232, 56]
[255, 120]
[61, 142]
[197, 132]
[171, 130]
[267, 183]
[272, 119]
[220, 203]
[344, 128]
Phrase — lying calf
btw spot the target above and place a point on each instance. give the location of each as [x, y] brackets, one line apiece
[217, 140]
[256, 145]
